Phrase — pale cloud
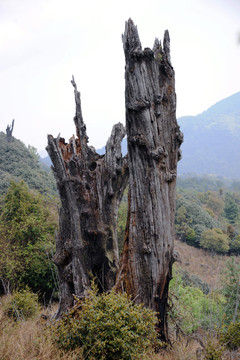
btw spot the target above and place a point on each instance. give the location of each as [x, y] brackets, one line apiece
[44, 42]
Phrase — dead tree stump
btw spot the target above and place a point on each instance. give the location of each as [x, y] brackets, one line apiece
[90, 188]
[154, 139]
[9, 131]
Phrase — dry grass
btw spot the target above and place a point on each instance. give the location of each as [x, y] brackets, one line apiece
[201, 263]
[28, 340]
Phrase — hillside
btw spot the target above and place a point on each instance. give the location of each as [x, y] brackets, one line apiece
[19, 162]
[203, 264]
[211, 140]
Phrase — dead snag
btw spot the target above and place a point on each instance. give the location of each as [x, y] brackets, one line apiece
[90, 188]
[154, 139]
[9, 131]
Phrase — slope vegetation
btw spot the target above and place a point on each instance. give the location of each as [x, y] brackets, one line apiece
[19, 162]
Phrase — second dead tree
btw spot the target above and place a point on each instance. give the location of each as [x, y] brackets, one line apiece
[9, 131]
[90, 188]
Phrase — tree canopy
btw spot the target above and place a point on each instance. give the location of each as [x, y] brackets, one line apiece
[18, 162]
[26, 241]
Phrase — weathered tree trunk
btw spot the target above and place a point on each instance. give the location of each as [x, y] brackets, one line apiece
[9, 131]
[154, 139]
[90, 188]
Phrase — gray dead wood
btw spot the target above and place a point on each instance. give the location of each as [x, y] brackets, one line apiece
[90, 188]
[9, 131]
[154, 139]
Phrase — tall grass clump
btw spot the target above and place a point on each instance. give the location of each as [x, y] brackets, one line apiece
[21, 305]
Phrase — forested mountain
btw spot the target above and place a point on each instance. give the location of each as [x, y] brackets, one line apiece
[211, 140]
[17, 162]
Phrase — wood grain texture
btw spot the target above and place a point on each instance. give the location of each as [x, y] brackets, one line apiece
[154, 139]
[90, 188]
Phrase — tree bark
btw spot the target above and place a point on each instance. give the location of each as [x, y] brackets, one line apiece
[154, 139]
[90, 188]
[9, 131]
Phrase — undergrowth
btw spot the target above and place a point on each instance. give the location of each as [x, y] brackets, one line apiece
[107, 326]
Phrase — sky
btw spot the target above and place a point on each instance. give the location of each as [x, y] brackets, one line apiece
[44, 42]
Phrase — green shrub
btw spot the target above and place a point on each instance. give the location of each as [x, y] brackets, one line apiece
[230, 336]
[213, 351]
[26, 241]
[21, 305]
[194, 281]
[235, 245]
[192, 219]
[107, 326]
[230, 290]
[231, 209]
[214, 239]
[191, 309]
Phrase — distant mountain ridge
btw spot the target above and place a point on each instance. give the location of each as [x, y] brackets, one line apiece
[212, 139]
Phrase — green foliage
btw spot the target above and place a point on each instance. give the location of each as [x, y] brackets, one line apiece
[190, 235]
[191, 308]
[215, 202]
[231, 231]
[231, 209]
[213, 351]
[19, 162]
[22, 305]
[192, 219]
[235, 245]
[215, 240]
[194, 281]
[198, 212]
[26, 241]
[185, 233]
[230, 336]
[200, 183]
[231, 290]
[107, 326]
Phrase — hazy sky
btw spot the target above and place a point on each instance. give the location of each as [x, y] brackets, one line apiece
[44, 42]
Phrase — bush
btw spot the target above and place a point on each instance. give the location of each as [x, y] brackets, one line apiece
[231, 209]
[213, 351]
[26, 241]
[230, 337]
[22, 305]
[191, 309]
[107, 326]
[195, 281]
[235, 245]
[214, 239]
[230, 289]
[193, 219]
